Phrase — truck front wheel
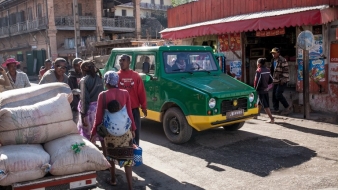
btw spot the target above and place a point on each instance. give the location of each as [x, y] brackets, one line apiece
[176, 127]
[234, 127]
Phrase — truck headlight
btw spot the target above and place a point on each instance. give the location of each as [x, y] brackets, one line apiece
[212, 103]
[251, 97]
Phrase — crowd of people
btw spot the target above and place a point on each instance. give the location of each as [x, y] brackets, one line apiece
[124, 89]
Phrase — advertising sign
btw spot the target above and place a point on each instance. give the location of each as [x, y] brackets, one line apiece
[236, 69]
[300, 69]
[317, 49]
[317, 70]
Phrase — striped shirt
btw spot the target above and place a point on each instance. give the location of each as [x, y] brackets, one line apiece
[280, 72]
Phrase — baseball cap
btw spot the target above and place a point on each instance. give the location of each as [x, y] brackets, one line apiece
[275, 50]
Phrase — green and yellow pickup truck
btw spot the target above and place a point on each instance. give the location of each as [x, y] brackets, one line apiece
[186, 89]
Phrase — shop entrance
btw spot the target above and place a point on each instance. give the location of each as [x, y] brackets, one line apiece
[258, 44]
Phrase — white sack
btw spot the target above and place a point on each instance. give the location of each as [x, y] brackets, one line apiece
[33, 94]
[20, 163]
[65, 161]
[117, 123]
[53, 110]
[38, 134]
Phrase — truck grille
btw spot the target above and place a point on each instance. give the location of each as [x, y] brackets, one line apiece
[227, 105]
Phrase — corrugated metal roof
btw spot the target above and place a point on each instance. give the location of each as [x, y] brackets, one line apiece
[248, 17]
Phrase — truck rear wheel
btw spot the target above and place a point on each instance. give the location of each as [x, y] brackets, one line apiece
[176, 127]
[234, 127]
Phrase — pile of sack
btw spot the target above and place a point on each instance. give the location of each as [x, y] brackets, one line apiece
[38, 135]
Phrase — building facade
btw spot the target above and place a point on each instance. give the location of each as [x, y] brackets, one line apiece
[243, 31]
[29, 28]
[147, 8]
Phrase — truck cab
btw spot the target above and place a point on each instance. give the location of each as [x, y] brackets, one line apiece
[186, 90]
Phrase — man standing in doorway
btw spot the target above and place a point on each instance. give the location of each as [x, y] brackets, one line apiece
[280, 73]
[132, 82]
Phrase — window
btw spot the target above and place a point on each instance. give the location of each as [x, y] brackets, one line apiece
[161, 2]
[124, 12]
[69, 43]
[83, 41]
[12, 19]
[79, 9]
[152, 1]
[189, 62]
[29, 13]
[39, 11]
[145, 64]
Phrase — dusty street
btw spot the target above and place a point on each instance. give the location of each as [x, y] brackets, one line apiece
[291, 154]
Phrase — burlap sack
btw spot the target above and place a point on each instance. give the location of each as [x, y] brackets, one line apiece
[38, 134]
[68, 156]
[20, 163]
[54, 110]
[33, 94]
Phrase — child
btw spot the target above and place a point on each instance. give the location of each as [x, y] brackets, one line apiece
[262, 80]
[113, 106]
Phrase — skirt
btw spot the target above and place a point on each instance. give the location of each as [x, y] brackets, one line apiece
[86, 130]
[120, 149]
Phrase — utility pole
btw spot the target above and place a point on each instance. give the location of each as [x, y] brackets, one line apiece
[305, 41]
[77, 39]
[137, 15]
[306, 84]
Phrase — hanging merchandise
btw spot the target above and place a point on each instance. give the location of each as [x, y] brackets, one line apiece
[223, 42]
[229, 42]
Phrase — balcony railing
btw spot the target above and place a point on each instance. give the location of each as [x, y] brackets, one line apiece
[24, 27]
[149, 6]
[68, 21]
[120, 23]
[86, 21]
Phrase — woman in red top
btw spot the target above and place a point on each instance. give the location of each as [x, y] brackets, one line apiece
[111, 79]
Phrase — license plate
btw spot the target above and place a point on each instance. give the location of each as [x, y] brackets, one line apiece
[235, 113]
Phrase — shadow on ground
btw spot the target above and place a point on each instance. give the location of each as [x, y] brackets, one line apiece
[151, 179]
[249, 152]
[307, 130]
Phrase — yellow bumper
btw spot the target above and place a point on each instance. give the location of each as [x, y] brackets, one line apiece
[201, 123]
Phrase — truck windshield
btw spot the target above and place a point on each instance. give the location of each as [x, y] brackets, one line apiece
[188, 62]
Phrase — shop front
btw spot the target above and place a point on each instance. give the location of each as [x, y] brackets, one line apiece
[243, 39]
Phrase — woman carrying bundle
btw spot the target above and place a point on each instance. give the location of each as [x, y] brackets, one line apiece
[115, 99]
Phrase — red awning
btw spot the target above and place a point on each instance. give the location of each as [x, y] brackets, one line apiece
[255, 21]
